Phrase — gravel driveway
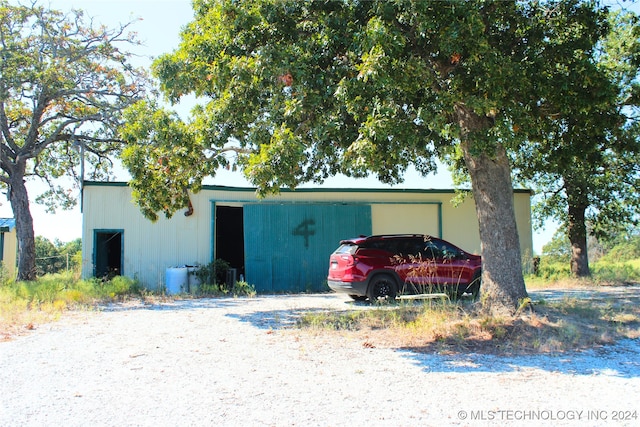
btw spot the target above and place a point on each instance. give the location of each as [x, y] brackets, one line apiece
[230, 362]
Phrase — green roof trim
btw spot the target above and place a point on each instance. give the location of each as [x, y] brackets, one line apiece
[309, 190]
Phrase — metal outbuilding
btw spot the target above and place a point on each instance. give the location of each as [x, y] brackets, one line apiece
[278, 244]
[8, 245]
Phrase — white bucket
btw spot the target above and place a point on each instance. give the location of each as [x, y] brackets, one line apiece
[177, 280]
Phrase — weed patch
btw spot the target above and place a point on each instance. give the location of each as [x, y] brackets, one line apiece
[239, 289]
[452, 327]
[26, 304]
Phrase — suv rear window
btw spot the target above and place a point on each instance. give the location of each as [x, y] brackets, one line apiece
[346, 248]
[397, 246]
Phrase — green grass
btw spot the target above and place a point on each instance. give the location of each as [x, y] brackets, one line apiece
[626, 272]
[66, 289]
[458, 326]
[602, 273]
[23, 304]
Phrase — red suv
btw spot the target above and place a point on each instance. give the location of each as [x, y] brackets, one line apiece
[381, 267]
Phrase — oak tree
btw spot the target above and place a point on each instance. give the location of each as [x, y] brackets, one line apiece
[303, 90]
[584, 163]
[63, 84]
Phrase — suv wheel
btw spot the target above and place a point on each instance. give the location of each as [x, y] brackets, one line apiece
[382, 287]
[473, 288]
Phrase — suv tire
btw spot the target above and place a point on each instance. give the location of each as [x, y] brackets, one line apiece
[474, 286]
[382, 287]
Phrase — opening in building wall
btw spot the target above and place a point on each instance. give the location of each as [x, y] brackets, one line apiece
[229, 225]
[108, 253]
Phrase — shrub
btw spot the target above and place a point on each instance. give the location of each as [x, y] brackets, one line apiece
[118, 286]
[625, 251]
[552, 271]
[214, 273]
[243, 289]
[55, 257]
[628, 271]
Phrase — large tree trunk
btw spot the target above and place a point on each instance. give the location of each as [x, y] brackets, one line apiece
[577, 231]
[19, 199]
[503, 286]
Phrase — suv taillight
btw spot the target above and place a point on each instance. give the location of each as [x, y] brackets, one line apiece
[350, 259]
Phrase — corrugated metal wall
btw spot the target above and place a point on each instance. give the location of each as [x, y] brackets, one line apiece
[277, 259]
[9, 250]
[287, 247]
[149, 247]
[407, 218]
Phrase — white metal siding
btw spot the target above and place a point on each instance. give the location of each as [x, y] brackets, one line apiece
[460, 224]
[151, 248]
[405, 218]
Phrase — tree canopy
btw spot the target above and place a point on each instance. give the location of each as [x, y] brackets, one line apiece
[63, 84]
[584, 161]
[300, 91]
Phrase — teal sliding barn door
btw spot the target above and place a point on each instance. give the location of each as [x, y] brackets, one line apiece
[287, 246]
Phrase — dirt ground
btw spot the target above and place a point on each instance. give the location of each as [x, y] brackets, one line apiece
[234, 362]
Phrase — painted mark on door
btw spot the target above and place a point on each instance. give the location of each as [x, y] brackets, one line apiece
[305, 229]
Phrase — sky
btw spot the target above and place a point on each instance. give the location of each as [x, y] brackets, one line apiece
[158, 24]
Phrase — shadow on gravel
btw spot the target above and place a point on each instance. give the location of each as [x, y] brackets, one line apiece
[620, 360]
[273, 319]
[615, 295]
[176, 305]
[288, 317]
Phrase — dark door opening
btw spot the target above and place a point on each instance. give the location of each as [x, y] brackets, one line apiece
[230, 237]
[108, 253]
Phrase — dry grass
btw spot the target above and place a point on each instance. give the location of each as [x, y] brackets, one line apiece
[425, 326]
[17, 319]
[560, 326]
[24, 305]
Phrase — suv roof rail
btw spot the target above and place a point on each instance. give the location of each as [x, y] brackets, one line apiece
[396, 235]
